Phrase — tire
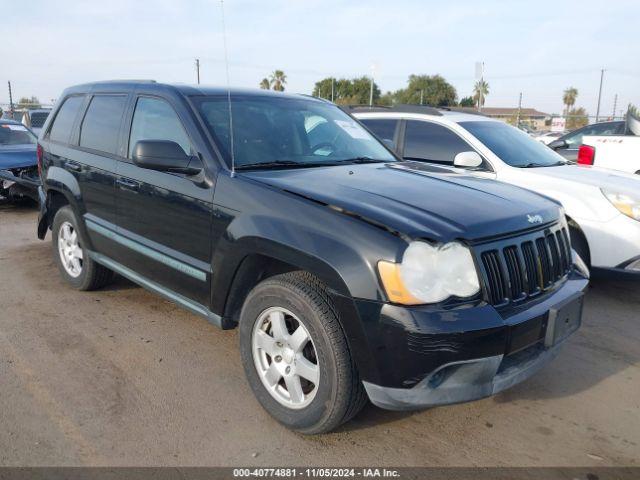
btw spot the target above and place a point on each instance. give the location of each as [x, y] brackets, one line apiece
[90, 275]
[302, 300]
[580, 245]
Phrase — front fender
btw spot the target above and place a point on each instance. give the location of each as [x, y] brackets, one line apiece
[339, 263]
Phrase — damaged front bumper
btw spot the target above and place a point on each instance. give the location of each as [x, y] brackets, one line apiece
[18, 183]
[427, 357]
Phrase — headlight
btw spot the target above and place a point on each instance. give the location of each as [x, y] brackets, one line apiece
[625, 203]
[430, 273]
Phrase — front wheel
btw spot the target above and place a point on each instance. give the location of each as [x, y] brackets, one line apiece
[295, 354]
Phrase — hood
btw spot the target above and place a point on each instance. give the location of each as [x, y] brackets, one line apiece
[17, 156]
[417, 199]
[592, 176]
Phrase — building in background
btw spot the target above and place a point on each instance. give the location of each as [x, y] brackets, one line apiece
[529, 116]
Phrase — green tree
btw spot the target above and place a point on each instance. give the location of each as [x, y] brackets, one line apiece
[480, 92]
[265, 84]
[323, 88]
[278, 80]
[576, 118]
[467, 102]
[431, 90]
[26, 102]
[569, 97]
[355, 91]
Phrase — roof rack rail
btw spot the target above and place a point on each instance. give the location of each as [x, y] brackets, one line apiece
[394, 108]
[469, 110]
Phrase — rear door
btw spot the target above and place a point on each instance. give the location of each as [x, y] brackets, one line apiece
[98, 147]
[76, 143]
[164, 219]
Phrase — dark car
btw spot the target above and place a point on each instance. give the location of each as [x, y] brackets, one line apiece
[568, 144]
[350, 274]
[18, 161]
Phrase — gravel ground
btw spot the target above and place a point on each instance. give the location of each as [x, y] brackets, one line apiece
[122, 377]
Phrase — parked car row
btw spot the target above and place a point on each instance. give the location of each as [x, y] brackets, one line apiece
[399, 261]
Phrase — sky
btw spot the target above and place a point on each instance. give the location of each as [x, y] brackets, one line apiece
[534, 48]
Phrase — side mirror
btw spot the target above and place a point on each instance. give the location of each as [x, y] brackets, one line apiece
[467, 160]
[165, 156]
[558, 144]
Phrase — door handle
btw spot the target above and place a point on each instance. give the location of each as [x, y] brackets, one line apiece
[128, 184]
[73, 166]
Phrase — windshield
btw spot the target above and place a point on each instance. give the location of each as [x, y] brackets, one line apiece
[271, 131]
[12, 134]
[513, 146]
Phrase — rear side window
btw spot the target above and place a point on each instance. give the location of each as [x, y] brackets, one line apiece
[431, 142]
[101, 124]
[66, 116]
[155, 119]
[383, 129]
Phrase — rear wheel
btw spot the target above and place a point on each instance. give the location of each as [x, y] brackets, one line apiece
[72, 258]
[296, 356]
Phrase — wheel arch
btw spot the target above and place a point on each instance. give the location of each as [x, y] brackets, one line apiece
[575, 229]
[61, 188]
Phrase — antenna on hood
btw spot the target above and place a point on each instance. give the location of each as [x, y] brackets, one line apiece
[226, 64]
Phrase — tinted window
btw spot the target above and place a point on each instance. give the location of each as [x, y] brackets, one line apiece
[428, 141]
[513, 146]
[383, 129]
[155, 119]
[287, 129]
[101, 124]
[63, 123]
[574, 140]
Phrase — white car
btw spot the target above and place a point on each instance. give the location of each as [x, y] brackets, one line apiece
[619, 152]
[602, 206]
[549, 137]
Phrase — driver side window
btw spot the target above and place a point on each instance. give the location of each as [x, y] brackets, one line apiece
[155, 119]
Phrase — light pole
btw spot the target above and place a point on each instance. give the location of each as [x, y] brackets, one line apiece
[599, 95]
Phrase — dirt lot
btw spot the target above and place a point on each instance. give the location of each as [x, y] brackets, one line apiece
[122, 377]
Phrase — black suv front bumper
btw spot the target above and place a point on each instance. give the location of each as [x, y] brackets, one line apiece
[426, 356]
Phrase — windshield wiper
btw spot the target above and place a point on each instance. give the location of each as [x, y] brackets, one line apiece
[359, 160]
[281, 163]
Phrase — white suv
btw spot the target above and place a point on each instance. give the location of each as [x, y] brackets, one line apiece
[602, 206]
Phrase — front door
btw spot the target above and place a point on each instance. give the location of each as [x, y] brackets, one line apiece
[164, 219]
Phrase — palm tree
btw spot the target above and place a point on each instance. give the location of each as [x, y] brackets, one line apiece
[278, 79]
[480, 92]
[265, 84]
[569, 98]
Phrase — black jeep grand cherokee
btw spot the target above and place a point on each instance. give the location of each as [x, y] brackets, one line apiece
[351, 275]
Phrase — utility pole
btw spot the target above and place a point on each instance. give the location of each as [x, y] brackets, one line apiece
[519, 110]
[373, 68]
[421, 96]
[10, 99]
[332, 80]
[198, 69]
[599, 95]
[615, 104]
